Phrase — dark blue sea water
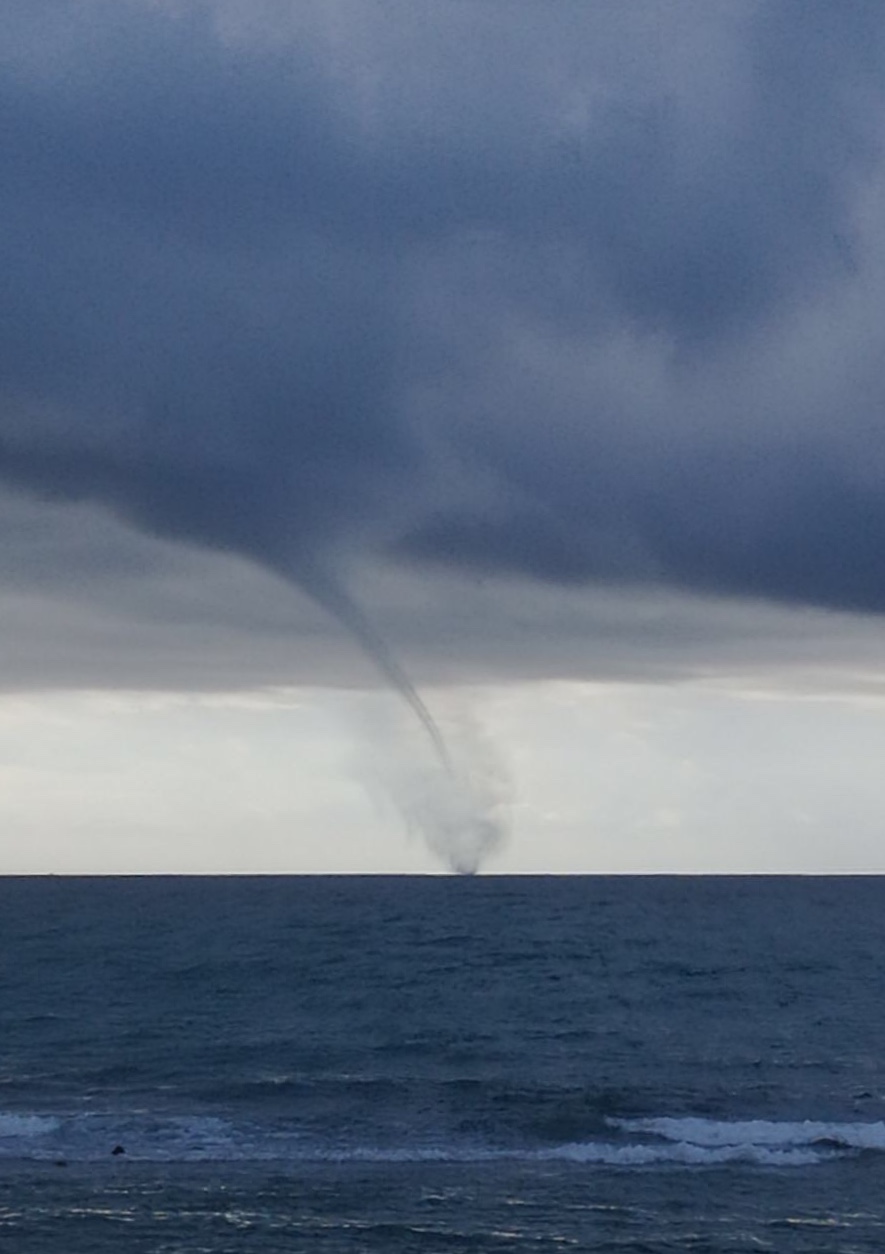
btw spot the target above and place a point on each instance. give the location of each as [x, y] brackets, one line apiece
[442, 1064]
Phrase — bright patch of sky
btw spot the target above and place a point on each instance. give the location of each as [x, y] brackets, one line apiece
[600, 778]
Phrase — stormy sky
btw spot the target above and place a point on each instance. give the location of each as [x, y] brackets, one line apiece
[531, 345]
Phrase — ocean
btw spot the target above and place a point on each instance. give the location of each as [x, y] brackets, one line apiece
[442, 1064]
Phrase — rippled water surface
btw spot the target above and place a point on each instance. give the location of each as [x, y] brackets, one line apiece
[440, 1064]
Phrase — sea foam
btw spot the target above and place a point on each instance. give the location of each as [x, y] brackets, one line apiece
[758, 1135]
[632, 1143]
[26, 1125]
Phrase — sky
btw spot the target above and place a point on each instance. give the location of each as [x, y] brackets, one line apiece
[442, 434]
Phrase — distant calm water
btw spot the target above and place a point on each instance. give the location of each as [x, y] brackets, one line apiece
[361, 1064]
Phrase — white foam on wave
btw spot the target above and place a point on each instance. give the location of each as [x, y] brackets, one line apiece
[650, 1142]
[760, 1134]
[677, 1153]
[598, 1153]
[16, 1126]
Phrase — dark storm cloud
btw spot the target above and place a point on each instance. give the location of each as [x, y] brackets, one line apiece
[534, 291]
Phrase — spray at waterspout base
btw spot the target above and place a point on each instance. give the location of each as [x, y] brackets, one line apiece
[459, 809]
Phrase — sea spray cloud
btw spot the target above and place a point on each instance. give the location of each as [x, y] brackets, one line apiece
[459, 806]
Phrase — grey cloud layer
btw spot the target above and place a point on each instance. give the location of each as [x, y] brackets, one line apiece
[575, 293]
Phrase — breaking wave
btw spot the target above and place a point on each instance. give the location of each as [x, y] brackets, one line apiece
[14, 1127]
[648, 1142]
[759, 1140]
